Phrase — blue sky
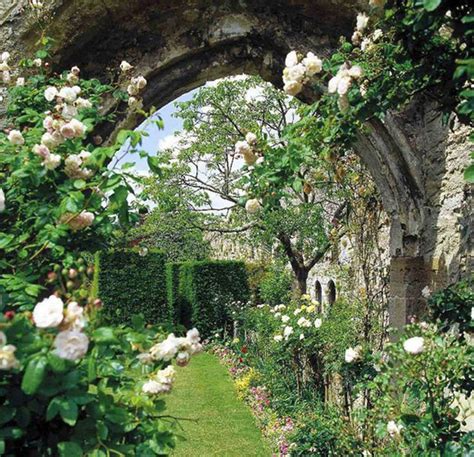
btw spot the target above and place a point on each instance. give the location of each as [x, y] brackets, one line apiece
[159, 137]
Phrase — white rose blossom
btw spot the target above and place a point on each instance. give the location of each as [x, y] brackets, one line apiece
[69, 94]
[75, 318]
[83, 103]
[415, 345]
[291, 59]
[15, 137]
[8, 360]
[48, 313]
[71, 344]
[297, 73]
[125, 66]
[153, 387]
[278, 338]
[288, 330]
[52, 161]
[51, 93]
[352, 354]
[313, 64]
[362, 21]
[393, 428]
[293, 88]
[41, 150]
[5, 56]
[318, 322]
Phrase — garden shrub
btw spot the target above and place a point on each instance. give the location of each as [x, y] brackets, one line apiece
[324, 432]
[276, 286]
[209, 290]
[256, 272]
[453, 307]
[129, 283]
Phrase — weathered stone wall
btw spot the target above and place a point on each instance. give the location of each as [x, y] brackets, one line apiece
[179, 44]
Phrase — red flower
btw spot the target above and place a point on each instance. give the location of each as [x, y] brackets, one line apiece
[9, 315]
[244, 350]
[241, 360]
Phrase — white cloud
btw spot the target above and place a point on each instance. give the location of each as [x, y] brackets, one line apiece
[168, 142]
[292, 116]
[255, 94]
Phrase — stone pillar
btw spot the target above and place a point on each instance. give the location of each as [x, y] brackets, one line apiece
[408, 277]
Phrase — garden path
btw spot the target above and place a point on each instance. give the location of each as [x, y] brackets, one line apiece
[224, 425]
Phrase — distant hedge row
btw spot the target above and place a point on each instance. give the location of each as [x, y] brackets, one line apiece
[129, 283]
[207, 288]
[190, 293]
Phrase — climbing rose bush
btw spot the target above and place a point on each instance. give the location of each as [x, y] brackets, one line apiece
[69, 386]
[422, 395]
[61, 192]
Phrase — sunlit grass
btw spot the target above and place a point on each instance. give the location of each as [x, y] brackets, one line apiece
[224, 426]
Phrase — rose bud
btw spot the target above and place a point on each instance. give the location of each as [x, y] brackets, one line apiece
[9, 315]
[52, 276]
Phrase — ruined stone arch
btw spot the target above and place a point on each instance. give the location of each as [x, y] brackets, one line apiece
[318, 293]
[179, 44]
[331, 293]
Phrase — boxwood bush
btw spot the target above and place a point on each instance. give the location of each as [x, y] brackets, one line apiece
[209, 289]
[129, 283]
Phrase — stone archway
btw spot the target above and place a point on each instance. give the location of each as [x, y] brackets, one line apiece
[177, 45]
[331, 293]
[318, 292]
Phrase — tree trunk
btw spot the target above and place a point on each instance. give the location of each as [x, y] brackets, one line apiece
[302, 279]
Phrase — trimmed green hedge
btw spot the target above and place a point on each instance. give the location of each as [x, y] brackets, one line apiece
[128, 284]
[180, 314]
[208, 287]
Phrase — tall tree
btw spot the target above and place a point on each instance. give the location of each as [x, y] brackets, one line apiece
[230, 128]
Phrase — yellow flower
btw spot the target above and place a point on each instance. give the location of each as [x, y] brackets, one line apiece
[311, 309]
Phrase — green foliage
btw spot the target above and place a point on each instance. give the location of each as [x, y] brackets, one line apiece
[173, 232]
[90, 407]
[422, 46]
[210, 289]
[325, 433]
[256, 272]
[421, 393]
[452, 307]
[276, 285]
[175, 303]
[130, 283]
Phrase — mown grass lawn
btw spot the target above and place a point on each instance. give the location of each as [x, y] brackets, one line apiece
[224, 425]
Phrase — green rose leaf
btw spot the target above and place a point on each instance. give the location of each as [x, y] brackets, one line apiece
[104, 335]
[70, 449]
[34, 375]
[68, 411]
[431, 5]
